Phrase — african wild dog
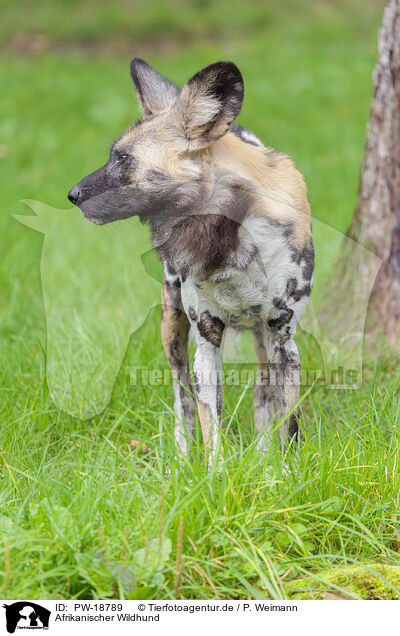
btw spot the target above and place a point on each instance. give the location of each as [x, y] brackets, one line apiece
[231, 223]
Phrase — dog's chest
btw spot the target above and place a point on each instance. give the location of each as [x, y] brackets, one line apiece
[241, 299]
[268, 288]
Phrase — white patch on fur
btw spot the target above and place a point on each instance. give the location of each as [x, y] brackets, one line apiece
[250, 137]
[169, 276]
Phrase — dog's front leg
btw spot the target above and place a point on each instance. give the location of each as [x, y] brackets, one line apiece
[208, 380]
[175, 332]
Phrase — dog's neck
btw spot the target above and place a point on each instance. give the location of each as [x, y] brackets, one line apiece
[200, 235]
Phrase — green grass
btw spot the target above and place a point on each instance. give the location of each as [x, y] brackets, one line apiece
[81, 506]
[81, 511]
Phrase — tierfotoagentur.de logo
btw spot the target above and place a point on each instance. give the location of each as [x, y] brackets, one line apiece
[26, 615]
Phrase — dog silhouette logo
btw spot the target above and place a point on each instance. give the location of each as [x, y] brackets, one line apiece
[26, 615]
[100, 284]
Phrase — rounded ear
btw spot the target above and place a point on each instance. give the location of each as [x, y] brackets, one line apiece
[154, 91]
[210, 102]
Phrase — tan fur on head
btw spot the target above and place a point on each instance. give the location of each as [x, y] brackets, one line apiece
[158, 144]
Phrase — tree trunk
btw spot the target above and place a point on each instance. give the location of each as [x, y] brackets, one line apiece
[376, 223]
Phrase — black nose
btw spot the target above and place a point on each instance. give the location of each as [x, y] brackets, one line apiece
[74, 194]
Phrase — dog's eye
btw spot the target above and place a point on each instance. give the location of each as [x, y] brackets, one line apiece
[122, 158]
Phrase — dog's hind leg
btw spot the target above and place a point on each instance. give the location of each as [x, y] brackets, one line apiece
[262, 391]
[284, 376]
[175, 334]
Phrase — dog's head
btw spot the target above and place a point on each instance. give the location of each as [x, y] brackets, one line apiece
[157, 164]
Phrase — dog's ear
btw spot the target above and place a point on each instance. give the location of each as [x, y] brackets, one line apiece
[154, 91]
[209, 103]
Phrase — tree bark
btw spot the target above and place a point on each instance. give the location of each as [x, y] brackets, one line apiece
[376, 222]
